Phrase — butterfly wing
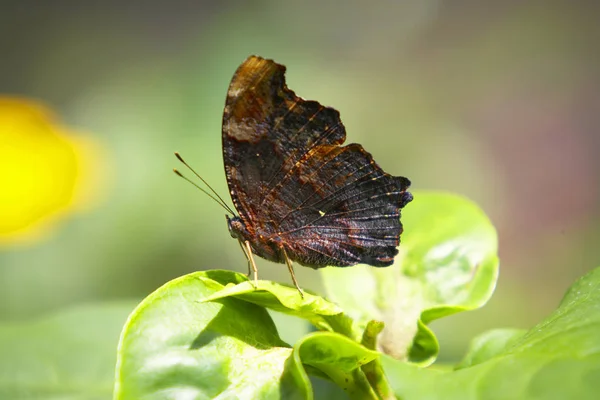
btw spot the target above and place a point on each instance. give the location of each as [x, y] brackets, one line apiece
[349, 215]
[292, 181]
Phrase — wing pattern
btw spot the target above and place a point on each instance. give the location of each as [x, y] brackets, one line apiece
[293, 183]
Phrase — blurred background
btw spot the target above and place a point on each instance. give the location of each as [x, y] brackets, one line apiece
[498, 101]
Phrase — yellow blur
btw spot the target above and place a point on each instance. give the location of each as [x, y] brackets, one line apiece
[42, 170]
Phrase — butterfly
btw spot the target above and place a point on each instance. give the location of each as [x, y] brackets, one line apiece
[300, 194]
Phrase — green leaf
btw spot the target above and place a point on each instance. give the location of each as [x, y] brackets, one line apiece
[557, 359]
[68, 355]
[447, 264]
[205, 335]
[174, 345]
[340, 359]
[320, 312]
[489, 345]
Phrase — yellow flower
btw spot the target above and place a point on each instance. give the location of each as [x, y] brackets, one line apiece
[46, 172]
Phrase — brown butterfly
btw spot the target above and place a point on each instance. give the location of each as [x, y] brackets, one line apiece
[302, 196]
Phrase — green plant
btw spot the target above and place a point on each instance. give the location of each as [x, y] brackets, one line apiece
[209, 334]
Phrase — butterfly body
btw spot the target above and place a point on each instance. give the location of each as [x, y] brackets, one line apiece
[263, 244]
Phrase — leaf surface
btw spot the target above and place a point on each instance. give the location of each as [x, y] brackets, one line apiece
[557, 359]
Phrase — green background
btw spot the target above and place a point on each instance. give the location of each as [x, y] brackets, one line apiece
[496, 101]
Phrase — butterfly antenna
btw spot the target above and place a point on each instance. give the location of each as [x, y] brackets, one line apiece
[179, 174]
[220, 200]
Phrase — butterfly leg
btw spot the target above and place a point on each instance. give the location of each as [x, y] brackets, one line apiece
[248, 252]
[243, 247]
[291, 269]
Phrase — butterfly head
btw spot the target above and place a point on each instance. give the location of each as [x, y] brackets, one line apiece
[236, 227]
